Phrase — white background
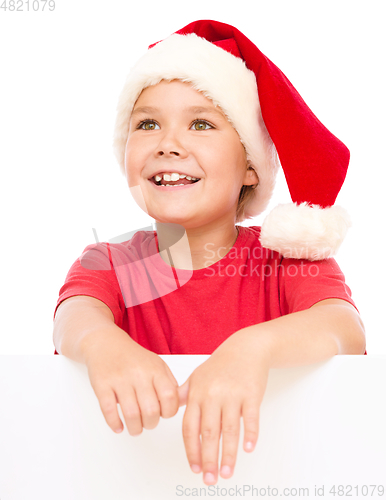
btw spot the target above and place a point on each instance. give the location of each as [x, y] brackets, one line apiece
[61, 75]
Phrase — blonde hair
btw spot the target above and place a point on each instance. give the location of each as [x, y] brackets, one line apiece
[247, 193]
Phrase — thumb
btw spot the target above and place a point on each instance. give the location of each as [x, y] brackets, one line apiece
[183, 391]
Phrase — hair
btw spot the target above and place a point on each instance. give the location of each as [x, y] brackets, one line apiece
[246, 193]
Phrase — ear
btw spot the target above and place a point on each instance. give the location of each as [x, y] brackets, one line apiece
[250, 177]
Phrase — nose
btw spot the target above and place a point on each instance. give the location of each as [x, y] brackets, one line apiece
[171, 153]
[171, 146]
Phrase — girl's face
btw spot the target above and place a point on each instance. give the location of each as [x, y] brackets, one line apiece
[176, 129]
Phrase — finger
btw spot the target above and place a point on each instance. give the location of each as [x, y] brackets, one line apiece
[170, 375]
[210, 440]
[131, 412]
[167, 394]
[230, 429]
[183, 392]
[149, 406]
[250, 413]
[191, 435]
[108, 404]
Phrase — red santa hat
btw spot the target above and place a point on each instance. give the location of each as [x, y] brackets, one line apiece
[271, 119]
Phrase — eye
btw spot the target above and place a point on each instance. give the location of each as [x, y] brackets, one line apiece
[148, 125]
[201, 125]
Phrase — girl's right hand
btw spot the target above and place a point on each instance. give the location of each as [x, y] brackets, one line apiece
[124, 372]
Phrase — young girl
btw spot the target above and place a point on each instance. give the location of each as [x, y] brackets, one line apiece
[202, 121]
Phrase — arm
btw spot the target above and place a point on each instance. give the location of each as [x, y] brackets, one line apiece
[232, 382]
[120, 370]
[81, 323]
[330, 327]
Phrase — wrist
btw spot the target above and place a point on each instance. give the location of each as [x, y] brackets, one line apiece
[257, 341]
[99, 342]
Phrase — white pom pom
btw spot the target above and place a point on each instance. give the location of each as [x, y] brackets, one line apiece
[305, 231]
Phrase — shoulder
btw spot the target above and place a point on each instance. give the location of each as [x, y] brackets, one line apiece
[250, 238]
[118, 251]
[250, 231]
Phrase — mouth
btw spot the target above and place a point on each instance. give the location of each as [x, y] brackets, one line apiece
[173, 180]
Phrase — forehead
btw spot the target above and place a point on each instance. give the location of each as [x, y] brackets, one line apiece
[176, 93]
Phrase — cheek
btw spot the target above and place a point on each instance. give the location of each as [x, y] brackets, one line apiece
[234, 159]
[132, 158]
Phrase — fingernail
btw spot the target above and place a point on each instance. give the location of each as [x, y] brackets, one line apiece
[209, 477]
[118, 430]
[195, 468]
[225, 470]
[249, 446]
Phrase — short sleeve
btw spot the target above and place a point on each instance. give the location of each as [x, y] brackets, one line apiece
[93, 275]
[303, 283]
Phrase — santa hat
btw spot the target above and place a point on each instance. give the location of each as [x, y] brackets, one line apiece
[269, 115]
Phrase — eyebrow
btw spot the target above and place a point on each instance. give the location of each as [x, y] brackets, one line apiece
[145, 110]
[192, 109]
[202, 109]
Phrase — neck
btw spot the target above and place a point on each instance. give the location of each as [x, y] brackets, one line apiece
[194, 248]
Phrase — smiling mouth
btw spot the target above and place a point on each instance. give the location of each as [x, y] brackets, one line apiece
[179, 182]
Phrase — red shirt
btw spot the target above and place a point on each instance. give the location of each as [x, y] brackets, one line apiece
[174, 311]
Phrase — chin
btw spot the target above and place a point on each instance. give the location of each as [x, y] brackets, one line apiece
[172, 219]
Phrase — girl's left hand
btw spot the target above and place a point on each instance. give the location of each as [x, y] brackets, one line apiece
[228, 385]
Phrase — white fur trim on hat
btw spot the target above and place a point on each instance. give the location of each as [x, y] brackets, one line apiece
[305, 231]
[223, 78]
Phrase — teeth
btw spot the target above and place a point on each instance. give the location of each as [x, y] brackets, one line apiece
[173, 177]
[172, 185]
